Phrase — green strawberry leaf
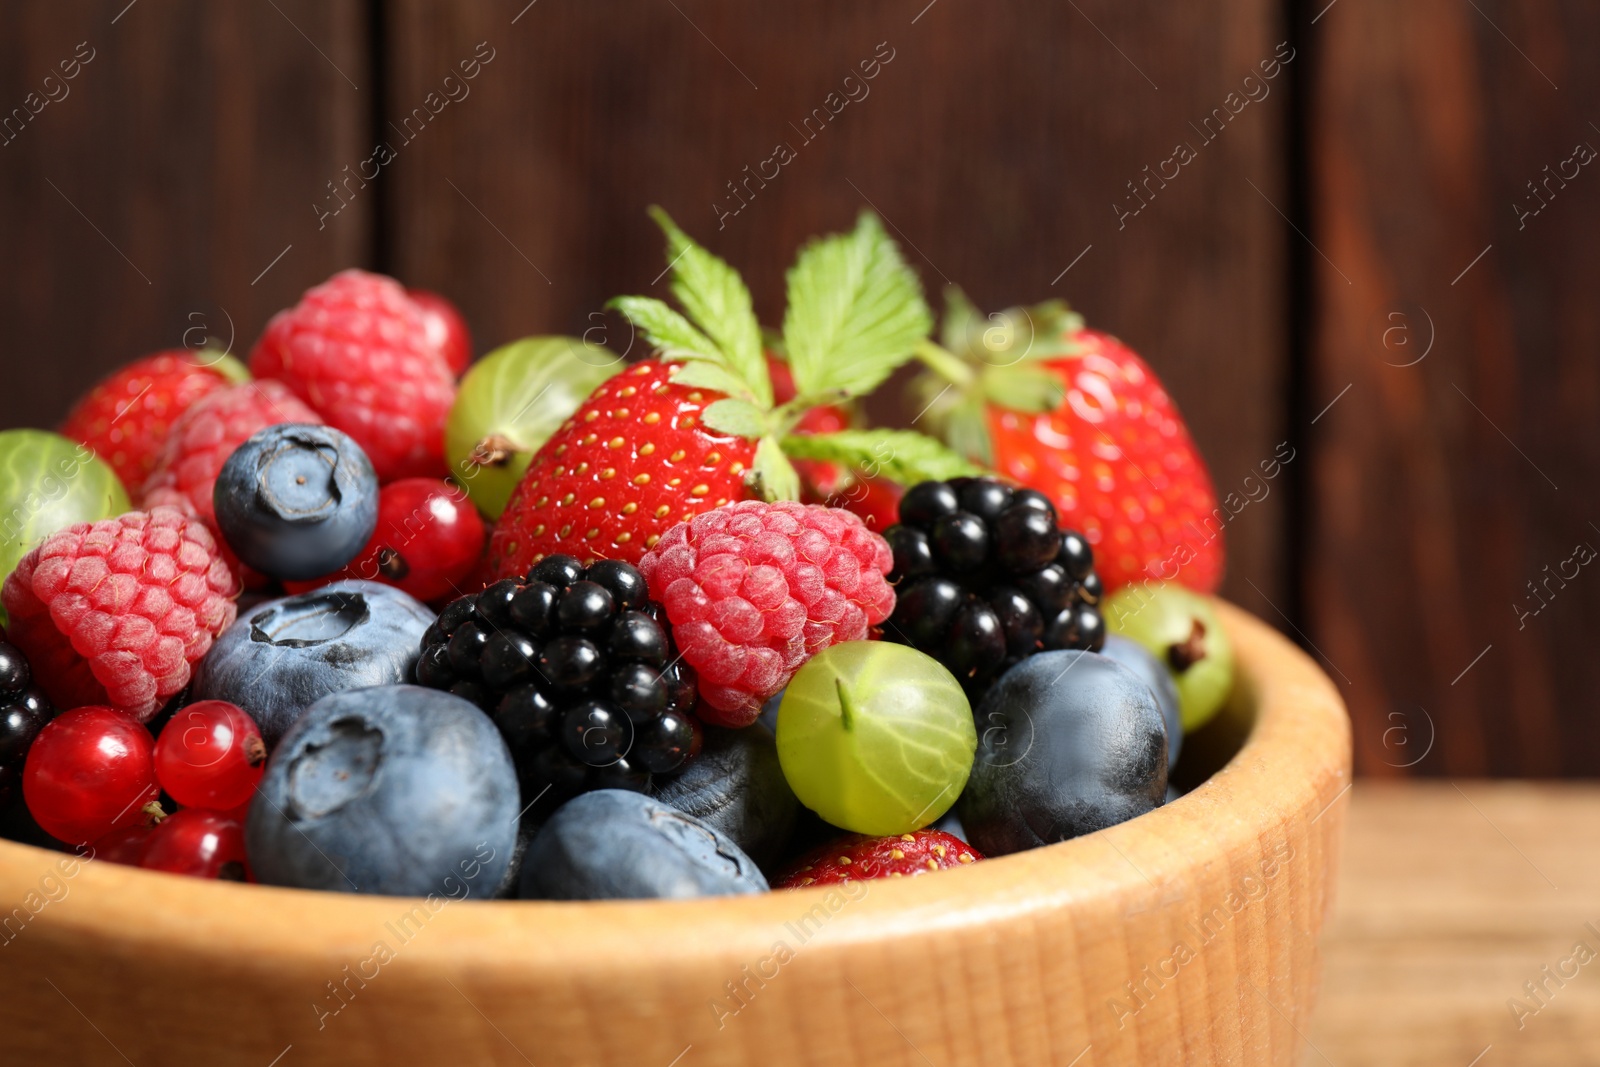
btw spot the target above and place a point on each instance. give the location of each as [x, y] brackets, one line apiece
[736, 417]
[966, 427]
[698, 374]
[671, 333]
[1046, 330]
[716, 298]
[1020, 387]
[771, 475]
[855, 312]
[959, 314]
[903, 456]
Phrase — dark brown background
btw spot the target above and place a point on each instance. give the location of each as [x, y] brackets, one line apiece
[175, 188]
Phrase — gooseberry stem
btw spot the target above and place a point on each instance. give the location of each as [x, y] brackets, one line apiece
[846, 713]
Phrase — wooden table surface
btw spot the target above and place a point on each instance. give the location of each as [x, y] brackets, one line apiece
[1453, 896]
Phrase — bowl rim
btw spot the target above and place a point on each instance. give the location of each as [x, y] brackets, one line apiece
[1295, 757]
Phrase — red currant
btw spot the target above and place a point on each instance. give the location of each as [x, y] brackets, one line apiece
[124, 845]
[89, 772]
[201, 844]
[446, 328]
[210, 755]
[428, 541]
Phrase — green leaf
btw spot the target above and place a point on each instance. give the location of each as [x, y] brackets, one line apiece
[735, 416]
[716, 298]
[967, 430]
[903, 456]
[1049, 327]
[698, 374]
[1020, 387]
[855, 312]
[772, 475]
[668, 331]
[959, 313]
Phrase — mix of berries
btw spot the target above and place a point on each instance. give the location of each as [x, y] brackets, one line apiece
[753, 590]
[575, 666]
[428, 542]
[361, 353]
[587, 629]
[210, 431]
[127, 418]
[985, 577]
[1077, 415]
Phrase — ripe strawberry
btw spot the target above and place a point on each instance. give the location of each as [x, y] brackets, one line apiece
[857, 858]
[126, 416]
[700, 427]
[633, 461]
[1081, 418]
[359, 351]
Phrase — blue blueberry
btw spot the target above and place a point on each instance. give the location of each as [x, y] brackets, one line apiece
[769, 711]
[1069, 742]
[615, 844]
[1143, 662]
[297, 501]
[736, 786]
[951, 824]
[278, 659]
[397, 790]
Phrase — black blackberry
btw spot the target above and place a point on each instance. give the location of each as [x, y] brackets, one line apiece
[576, 668]
[984, 577]
[24, 710]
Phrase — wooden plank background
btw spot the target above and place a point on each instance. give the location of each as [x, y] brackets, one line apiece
[185, 180]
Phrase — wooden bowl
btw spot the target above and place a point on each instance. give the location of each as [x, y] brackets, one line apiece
[1186, 936]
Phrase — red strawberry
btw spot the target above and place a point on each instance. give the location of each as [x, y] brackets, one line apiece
[446, 328]
[629, 464]
[358, 350]
[126, 417]
[1090, 426]
[700, 428]
[857, 858]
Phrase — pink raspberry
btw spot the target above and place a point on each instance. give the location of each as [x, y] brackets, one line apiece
[118, 612]
[753, 590]
[205, 435]
[360, 352]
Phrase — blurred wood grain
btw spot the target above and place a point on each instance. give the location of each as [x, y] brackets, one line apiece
[142, 209]
[1456, 476]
